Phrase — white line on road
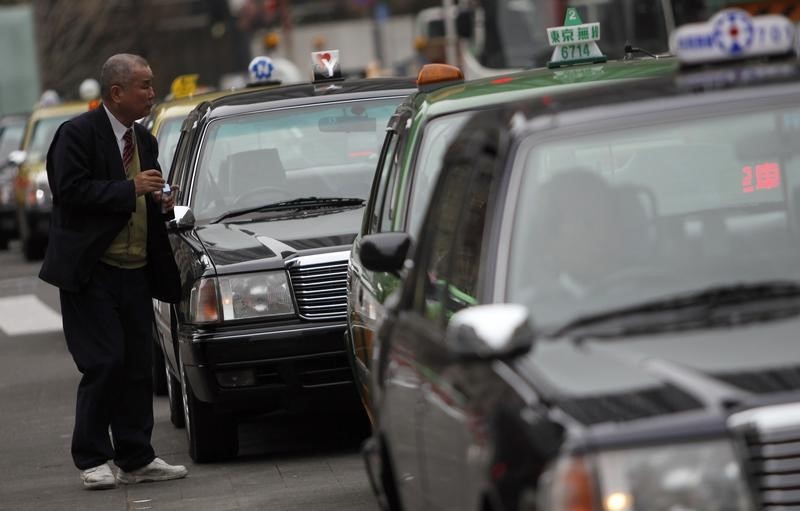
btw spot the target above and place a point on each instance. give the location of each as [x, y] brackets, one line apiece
[26, 314]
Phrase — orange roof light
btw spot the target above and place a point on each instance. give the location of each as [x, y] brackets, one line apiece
[438, 73]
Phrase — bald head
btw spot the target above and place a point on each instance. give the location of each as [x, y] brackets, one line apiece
[119, 70]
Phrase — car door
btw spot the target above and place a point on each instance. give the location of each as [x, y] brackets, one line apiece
[367, 291]
[417, 392]
[165, 313]
[452, 417]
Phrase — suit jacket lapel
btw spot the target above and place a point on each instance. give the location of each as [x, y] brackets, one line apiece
[109, 144]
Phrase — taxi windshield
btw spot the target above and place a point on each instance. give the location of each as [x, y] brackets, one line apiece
[324, 150]
[168, 135]
[42, 134]
[699, 199]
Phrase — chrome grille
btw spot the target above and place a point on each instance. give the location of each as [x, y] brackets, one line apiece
[320, 289]
[772, 436]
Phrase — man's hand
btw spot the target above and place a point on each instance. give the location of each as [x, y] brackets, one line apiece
[167, 201]
[148, 181]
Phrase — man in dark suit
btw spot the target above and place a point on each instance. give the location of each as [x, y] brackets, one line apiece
[108, 254]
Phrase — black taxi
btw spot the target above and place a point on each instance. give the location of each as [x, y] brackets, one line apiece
[602, 309]
[272, 184]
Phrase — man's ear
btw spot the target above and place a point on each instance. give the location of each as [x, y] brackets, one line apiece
[115, 92]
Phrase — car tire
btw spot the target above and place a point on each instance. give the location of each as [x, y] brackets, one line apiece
[212, 437]
[175, 396]
[159, 370]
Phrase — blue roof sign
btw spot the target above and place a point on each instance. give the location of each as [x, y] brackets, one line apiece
[575, 42]
[261, 69]
[733, 34]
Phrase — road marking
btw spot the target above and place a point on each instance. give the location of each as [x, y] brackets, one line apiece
[26, 314]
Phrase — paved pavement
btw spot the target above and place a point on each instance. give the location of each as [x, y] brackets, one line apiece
[308, 463]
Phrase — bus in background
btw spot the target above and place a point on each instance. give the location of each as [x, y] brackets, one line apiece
[488, 37]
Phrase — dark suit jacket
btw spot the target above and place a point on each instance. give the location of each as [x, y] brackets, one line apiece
[92, 201]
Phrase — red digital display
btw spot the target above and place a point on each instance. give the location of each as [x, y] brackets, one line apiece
[767, 176]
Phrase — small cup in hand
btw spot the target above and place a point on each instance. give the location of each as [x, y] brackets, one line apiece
[166, 193]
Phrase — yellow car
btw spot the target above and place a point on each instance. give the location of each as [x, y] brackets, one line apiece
[34, 200]
[165, 123]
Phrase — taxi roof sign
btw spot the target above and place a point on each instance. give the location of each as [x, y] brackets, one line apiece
[325, 65]
[575, 42]
[733, 34]
[183, 86]
[261, 69]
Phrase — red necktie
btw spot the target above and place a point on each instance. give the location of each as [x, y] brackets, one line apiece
[127, 152]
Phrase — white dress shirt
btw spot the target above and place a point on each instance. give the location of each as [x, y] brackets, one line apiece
[119, 130]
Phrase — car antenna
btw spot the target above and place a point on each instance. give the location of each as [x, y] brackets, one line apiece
[630, 50]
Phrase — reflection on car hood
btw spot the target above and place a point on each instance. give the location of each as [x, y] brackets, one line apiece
[648, 376]
[270, 241]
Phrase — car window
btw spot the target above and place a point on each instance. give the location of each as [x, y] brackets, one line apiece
[42, 134]
[452, 244]
[612, 216]
[391, 196]
[179, 168]
[387, 162]
[168, 135]
[436, 137]
[465, 255]
[10, 138]
[322, 150]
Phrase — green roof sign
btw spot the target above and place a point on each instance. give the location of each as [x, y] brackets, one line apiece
[575, 42]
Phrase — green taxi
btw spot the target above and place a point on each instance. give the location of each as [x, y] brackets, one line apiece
[416, 138]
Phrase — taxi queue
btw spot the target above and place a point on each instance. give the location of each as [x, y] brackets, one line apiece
[565, 288]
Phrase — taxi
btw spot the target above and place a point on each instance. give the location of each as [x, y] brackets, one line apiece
[33, 198]
[601, 312]
[12, 127]
[419, 132]
[272, 184]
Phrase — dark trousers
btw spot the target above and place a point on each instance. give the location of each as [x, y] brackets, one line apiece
[108, 326]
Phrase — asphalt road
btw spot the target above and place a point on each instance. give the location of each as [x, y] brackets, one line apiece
[307, 463]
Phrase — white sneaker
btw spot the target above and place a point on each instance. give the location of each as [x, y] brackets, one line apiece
[156, 470]
[98, 478]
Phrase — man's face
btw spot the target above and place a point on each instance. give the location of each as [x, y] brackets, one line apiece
[135, 99]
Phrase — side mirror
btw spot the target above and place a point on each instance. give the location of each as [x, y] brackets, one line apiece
[385, 252]
[184, 219]
[17, 157]
[490, 331]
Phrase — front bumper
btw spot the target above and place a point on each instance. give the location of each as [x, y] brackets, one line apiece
[295, 367]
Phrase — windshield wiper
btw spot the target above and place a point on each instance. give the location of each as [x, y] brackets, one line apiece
[299, 203]
[699, 303]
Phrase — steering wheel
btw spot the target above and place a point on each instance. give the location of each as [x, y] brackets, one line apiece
[276, 193]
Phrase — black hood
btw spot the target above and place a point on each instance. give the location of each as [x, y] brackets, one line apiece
[265, 244]
[630, 378]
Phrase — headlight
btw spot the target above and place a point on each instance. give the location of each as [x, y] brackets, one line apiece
[702, 476]
[251, 295]
[38, 191]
